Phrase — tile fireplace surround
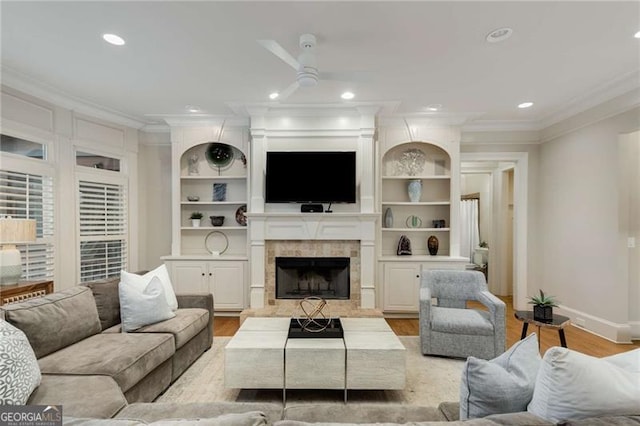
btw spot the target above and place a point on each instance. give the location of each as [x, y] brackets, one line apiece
[349, 235]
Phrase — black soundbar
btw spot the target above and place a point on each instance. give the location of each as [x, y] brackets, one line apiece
[311, 208]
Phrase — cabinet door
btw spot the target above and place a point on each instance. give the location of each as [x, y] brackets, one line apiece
[227, 284]
[189, 277]
[401, 286]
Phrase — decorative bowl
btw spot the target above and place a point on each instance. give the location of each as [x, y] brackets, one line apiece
[217, 220]
[193, 198]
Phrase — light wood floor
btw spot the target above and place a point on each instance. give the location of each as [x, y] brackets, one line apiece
[577, 339]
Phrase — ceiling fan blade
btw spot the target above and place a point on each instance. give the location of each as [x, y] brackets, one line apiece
[289, 90]
[351, 76]
[275, 48]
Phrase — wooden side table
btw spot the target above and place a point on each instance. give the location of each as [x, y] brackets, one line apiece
[24, 290]
[559, 322]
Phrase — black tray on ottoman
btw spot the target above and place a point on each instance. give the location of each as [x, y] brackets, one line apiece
[333, 330]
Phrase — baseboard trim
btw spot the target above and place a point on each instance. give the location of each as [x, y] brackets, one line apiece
[614, 332]
[635, 330]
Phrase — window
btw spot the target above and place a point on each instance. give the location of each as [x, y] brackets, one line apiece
[103, 229]
[97, 161]
[30, 196]
[14, 145]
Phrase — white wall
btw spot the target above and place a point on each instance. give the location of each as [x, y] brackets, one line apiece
[154, 162]
[578, 225]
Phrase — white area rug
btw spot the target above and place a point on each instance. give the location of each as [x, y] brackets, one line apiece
[430, 381]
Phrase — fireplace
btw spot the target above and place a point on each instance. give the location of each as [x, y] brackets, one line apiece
[300, 277]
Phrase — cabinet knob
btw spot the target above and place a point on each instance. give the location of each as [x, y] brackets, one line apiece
[418, 276]
[203, 274]
[210, 274]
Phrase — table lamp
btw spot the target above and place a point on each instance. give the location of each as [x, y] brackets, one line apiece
[12, 232]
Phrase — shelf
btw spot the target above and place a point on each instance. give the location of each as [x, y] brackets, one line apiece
[415, 229]
[213, 228]
[211, 177]
[431, 177]
[421, 203]
[207, 203]
[423, 258]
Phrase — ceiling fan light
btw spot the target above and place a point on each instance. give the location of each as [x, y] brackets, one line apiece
[306, 79]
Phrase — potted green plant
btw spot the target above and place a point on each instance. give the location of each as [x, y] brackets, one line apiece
[195, 219]
[543, 306]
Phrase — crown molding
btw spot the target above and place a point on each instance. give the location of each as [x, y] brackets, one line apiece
[199, 120]
[47, 93]
[598, 95]
[268, 109]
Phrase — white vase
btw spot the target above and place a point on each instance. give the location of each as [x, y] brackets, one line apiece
[195, 223]
[414, 188]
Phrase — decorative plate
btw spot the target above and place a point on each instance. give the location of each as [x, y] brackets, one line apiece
[241, 215]
[217, 242]
[219, 155]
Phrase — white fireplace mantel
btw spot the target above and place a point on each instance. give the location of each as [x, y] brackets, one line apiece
[311, 227]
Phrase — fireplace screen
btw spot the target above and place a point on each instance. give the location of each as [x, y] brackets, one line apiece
[299, 277]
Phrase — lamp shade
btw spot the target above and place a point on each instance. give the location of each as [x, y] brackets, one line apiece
[12, 232]
[16, 231]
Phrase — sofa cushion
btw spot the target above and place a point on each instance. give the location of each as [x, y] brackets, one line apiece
[125, 357]
[361, 412]
[142, 303]
[571, 385]
[253, 418]
[19, 371]
[184, 326]
[501, 385]
[105, 292]
[80, 396]
[461, 321]
[57, 320]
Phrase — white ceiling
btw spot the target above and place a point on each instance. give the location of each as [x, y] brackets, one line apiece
[406, 54]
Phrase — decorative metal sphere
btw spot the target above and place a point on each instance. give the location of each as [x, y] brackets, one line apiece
[313, 314]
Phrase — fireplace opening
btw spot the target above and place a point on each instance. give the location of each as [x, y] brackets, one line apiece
[300, 277]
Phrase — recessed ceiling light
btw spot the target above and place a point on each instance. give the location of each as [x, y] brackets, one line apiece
[116, 40]
[193, 108]
[500, 34]
[637, 35]
[525, 105]
[347, 95]
[274, 95]
[434, 107]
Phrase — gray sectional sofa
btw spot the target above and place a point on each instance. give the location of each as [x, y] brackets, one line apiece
[93, 369]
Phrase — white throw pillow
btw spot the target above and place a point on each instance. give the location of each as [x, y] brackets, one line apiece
[501, 385]
[142, 306]
[573, 386]
[19, 369]
[163, 275]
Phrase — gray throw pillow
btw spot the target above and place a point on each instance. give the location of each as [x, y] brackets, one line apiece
[502, 385]
[19, 370]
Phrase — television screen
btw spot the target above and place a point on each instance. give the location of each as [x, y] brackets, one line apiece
[310, 177]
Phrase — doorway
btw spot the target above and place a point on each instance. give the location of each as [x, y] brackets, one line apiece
[506, 233]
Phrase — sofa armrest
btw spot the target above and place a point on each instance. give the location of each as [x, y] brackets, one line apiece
[198, 300]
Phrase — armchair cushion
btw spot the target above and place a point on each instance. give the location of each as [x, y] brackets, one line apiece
[461, 321]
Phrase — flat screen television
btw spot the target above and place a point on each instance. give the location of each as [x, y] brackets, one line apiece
[310, 177]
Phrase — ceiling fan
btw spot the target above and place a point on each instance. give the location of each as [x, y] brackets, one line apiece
[307, 74]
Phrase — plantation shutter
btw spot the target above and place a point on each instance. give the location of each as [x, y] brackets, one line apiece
[30, 196]
[103, 230]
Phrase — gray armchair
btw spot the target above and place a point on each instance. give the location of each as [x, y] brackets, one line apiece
[448, 328]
